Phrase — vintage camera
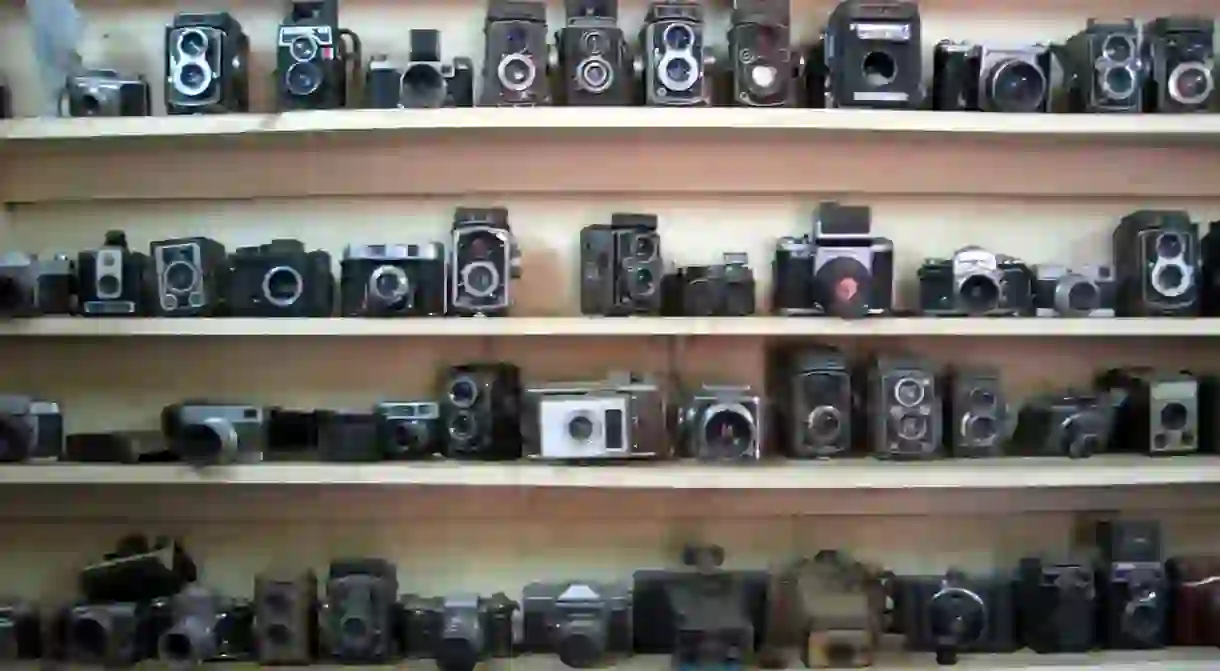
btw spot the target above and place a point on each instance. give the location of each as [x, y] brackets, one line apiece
[814, 402]
[347, 435]
[314, 56]
[585, 624]
[1209, 257]
[622, 417]
[1156, 264]
[956, 613]
[1062, 292]
[842, 269]
[285, 617]
[904, 409]
[713, 612]
[1159, 411]
[408, 430]
[975, 283]
[280, 279]
[721, 423]
[1133, 586]
[207, 627]
[621, 266]
[458, 630]
[1181, 61]
[976, 415]
[359, 611]
[20, 630]
[481, 408]
[1104, 69]
[424, 81]
[207, 433]
[32, 287]
[207, 59]
[108, 634]
[595, 67]
[1196, 588]
[1070, 424]
[869, 56]
[111, 280]
[190, 277]
[516, 59]
[30, 429]
[102, 92]
[1056, 606]
[981, 78]
[724, 290]
[674, 63]
[763, 68]
[393, 280]
[139, 570]
[484, 261]
[6, 99]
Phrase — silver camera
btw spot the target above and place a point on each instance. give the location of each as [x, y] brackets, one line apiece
[204, 433]
[1060, 291]
[622, 417]
[721, 423]
[30, 429]
[975, 282]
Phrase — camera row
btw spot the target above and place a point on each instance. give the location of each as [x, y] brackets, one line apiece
[827, 611]
[869, 56]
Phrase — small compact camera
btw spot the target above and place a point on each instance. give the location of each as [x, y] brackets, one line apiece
[1158, 413]
[621, 266]
[359, 611]
[976, 415]
[190, 277]
[674, 63]
[815, 402]
[1070, 424]
[1180, 56]
[517, 56]
[1104, 69]
[207, 627]
[280, 279]
[20, 631]
[207, 60]
[30, 429]
[622, 417]
[724, 290]
[285, 617]
[481, 408]
[458, 630]
[102, 92]
[980, 78]
[1056, 606]
[207, 433]
[32, 287]
[1156, 264]
[393, 280]
[585, 624]
[595, 67]
[423, 81]
[904, 409]
[316, 60]
[763, 69]
[484, 260]
[975, 283]
[1089, 291]
[1133, 589]
[111, 635]
[1195, 581]
[870, 56]
[111, 281]
[956, 613]
[408, 430]
[721, 423]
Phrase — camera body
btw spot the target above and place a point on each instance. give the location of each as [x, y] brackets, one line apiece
[869, 56]
[622, 417]
[207, 59]
[484, 261]
[1196, 587]
[101, 92]
[1089, 291]
[1070, 424]
[724, 290]
[393, 280]
[674, 61]
[20, 631]
[976, 414]
[1104, 70]
[359, 611]
[763, 68]
[621, 266]
[721, 423]
[206, 433]
[1056, 606]
[975, 282]
[32, 429]
[409, 430]
[312, 58]
[481, 408]
[348, 436]
[111, 281]
[1159, 411]
[108, 634]
[904, 409]
[956, 613]
[286, 617]
[517, 56]
[1156, 264]
[1133, 586]
[206, 627]
[585, 624]
[32, 287]
[1181, 59]
[191, 277]
[423, 81]
[595, 66]
[814, 408]
[280, 279]
[981, 78]
[458, 630]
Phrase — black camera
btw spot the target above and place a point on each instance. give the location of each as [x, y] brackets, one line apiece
[409, 430]
[621, 266]
[1158, 413]
[595, 67]
[674, 61]
[712, 613]
[280, 279]
[1087, 291]
[1133, 586]
[585, 624]
[207, 60]
[20, 631]
[1056, 606]
[763, 68]
[841, 269]
[904, 410]
[956, 613]
[1070, 424]
[484, 260]
[316, 60]
[481, 405]
[112, 280]
[975, 282]
[981, 78]
[814, 402]
[102, 92]
[393, 280]
[359, 612]
[1156, 264]
[348, 436]
[191, 276]
[33, 287]
[1104, 69]
[721, 423]
[458, 631]
[6, 99]
[517, 56]
[30, 429]
[1181, 58]
[286, 617]
[976, 414]
[724, 290]
[207, 627]
[112, 634]
[870, 56]
[424, 81]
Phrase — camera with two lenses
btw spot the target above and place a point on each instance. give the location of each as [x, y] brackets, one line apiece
[396, 280]
[975, 282]
[1088, 291]
[1156, 264]
[595, 66]
[621, 266]
[1104, 68]
[815, 401]
[516, 59]
[1181, 58]
[977, 421]
[316, 60]
[205, 433]
[621, 417]
[904, 407]
[280, 279]
[984, 78]
[107, 93]
[484, 260]
[1133, 586]
[674, 62]
[762, 66]
[869, 56]
[584, 624]
[721, 423]
[481, 409]
[31, 286]
[207, 60]
[359, 613]
[191, 277]
[425, 80]
[458, 631]
[722, 290]
[112, 280]
[30, 429]
[286, 606]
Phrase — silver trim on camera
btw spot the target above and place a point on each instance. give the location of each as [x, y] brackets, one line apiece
[181, 60]
[492, 285]
[813, 425]
[1179, 263]
[1175, 78]
[737, 409]
[591, 84]
[908, 383]
[298, 286]
[556, 413]
[531, 72]
[109, 266]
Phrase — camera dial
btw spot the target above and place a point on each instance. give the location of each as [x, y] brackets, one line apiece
[422, 87]
[282, 286]
[728, 430]
[1191, 83]
[1017, 86]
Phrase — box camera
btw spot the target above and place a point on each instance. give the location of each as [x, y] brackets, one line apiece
[111, 280]
[408, 430]
[207, 433]
[595, 67]
[20, 631]
[721, 423]
[1133, 586]
[869, 56]
[814, 403]
[393, 280]
[32, 287]
[1104, 69]
[207, 627]
[423, 81]
[622, 417]
[1158, 413]
[190, 277]
[459, 630]
[484, 261]
[313, 57]
[1181, 60]
[724, 290]
[1196, 589]
[359, 611]
[102, 92]
[207, 59]
[481, 408]
[285, 617]
[280, 279]
[348, 436]
[1056, 606]
[1062, 292]
[763, 69]
[517, 56]
[975, 283]
[976, 415]
[1156, 264]
[842, 269]
[1071, 424]
[585, 624]
[30, 429]
[621, 266]
[955, 613]
[109, 634]
[904, 409]
[712, 610]
[673, 63]
[981, 78]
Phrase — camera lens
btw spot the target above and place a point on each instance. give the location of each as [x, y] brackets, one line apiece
[979, 293]
[90, 104]
[1018, 86]
[1190, 83]
[89, 636]
[595, 42]
[1174, 416]
[1142, 621]
[824, 424]
[282, 286]
[840, 654]
[480, 278]
[192, 43]
[1168, 279]
[462, 426]
[981, 429]
[278, 602]
[108, 285]
[679, 70]
[879, 69]
[1119, 82]
[728, 432]
[678, 37]
[463, 392]
[516, 73]
[1169, 246]
[908, 392]
[643, 282]
[1117, 48]
[199, 442]
[423, 86]
[580, 650]
[15, 437]
[353, 628]
[302, 79]
[957, 617]
[644, 247]
[580, 428]
[912, 427]
[303, 48]
[515, 39]
[192, 79]
[593, 75]
[408, 435]
[982, 398]
[1083, 297]
[177, 646]
[180, 277]
[763, 77]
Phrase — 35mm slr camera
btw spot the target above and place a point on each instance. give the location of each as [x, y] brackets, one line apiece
[458, 630]
[316, 60]
[869, 56]
[585, 624]
[674, 62]
[425, 80]
[107, 93]
[207, 64]
[595, 66]
[975, 283]
[516, 58]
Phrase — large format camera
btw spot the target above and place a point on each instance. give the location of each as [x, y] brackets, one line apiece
[459, 630]
[975, 283]
[516, 58]
[621, 266]
[30, 429]
[101, 92]
[585, 624]
[674, 63]
[1156, 264]
[359, 611]
[622, 417]
[190, 277]
[1132, 586]
[424, 81]
[393, 280]
[1104, 69]
[1181, 58]
[1056, 606]
[285, 617]
[869, 57]
[207, 433]
[1159, 411]
[595, 67]
[956, 613]
[1070, 424]
[280, 279]
[762, 66]
[313, 58]
[976, 415]
[721, 423]
[904, 409]
[112, 280]
[484, 260]
[981, 78]
[814, 403]
[841, 269]
[206, 64]
[481, 407]
[32, 287]
[408, 430]
[724, 290]
[1090, 291]
[1196, 589]
[206, 627]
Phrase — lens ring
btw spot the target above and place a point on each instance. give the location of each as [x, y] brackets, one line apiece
[303, 79]
[463, 392]
[980, 429]
[109, 286]
[677, 72]
[422, 86]
[1076, 295]
[878, 69]
[909, 392]
[1201, 74]
[192, 78]
[393, 277]
[595, 42]
[1174, 416]
[303, 48]
[192, 43]
[276, 279]
[1169, 245]
[1119, 48]
[581, 427]
[678, 37]
[643, 282]
[1118, 83]
[463, 426]
[1170, 279]
[594, 75]
[979, 292]
[516, 72]
[912, 427]
[480, 279]
[824, 424]
[729, 429]
[180, 277]
[1017, 86]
